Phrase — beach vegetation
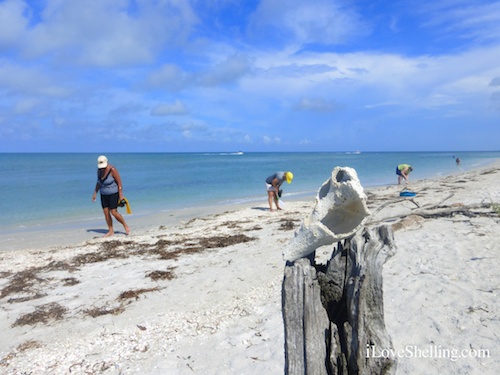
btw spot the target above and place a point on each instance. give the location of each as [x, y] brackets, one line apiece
[30, 344]
[34, 282]
[27, 345]
[287, 224]
[22, 282]
[68, 281]
[234, 224]
[136, 293]
[42, 314]
[129, 294]
[109, 250]
[168, 249]
[161, 275]
[99, 311]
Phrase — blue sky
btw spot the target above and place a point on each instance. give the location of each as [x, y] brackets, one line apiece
[230, 75]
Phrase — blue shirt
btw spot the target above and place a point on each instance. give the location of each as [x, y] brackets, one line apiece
[279, 175]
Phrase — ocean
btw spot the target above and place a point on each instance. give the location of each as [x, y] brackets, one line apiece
[47, 190]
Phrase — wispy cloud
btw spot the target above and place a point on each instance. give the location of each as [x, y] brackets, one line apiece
[315, 105]
[176, 75]
[103, 33]
[477, 21]
[169, 109]
[315, 21]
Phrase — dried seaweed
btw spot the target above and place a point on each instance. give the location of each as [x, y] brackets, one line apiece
[224, 241]
[42, 314]
[193, 246]
[27, 298]
[161, 275]
[99, 311]
[22, 282]
[69, 281]
[25, 281]
[135, 293]
[96, 257]
[30, 344]
[287, 225]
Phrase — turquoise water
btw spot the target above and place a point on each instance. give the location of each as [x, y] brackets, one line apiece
[39, 190]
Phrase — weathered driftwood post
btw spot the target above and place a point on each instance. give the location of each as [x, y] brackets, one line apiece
[333, 314]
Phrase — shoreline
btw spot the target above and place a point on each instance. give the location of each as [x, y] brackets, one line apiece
[92, 228]
[203, 296]
[81, 231]
[38, 212]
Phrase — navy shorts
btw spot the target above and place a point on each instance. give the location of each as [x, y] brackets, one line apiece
[398, 172]
[109, 201]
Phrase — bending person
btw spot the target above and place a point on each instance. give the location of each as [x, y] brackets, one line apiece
[273, 184]
[403, 171]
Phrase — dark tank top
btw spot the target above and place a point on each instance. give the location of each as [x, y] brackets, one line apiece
[108, 184]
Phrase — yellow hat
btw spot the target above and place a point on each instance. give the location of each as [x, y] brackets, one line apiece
[289, 177]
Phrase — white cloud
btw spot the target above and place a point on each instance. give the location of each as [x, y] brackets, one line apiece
[495, 100]
[476, 21]
[382, 104]
[314, 21]
[368, 79]
[107, 32]
[173, 78]
[495, 82]
[26, 105]
[168, 109]
[13, 23]
[127, 108]
[315, 105]
[169, 77]
[227, 71]
[29, 81]
[271, 140]
[114, 64]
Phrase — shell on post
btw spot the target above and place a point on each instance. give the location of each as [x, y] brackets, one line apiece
[340, 210]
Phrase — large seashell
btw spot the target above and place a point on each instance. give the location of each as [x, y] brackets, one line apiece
[339, 212]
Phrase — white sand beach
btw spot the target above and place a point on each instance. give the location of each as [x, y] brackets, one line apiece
[204, 296]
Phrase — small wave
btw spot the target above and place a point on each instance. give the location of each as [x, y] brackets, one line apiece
[232, 153]
[223, 153]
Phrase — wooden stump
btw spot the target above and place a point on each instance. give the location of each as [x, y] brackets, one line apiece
[334, 314]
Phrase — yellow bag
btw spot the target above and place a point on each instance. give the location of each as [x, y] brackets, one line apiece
[124, 202]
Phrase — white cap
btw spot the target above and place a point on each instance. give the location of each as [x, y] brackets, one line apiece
[102, 161]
